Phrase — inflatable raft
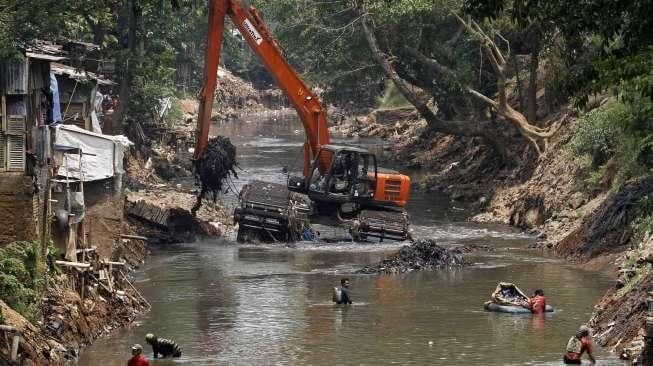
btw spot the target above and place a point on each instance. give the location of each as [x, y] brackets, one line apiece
[511, 309]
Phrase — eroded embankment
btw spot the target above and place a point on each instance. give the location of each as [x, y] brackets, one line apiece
[79, 304]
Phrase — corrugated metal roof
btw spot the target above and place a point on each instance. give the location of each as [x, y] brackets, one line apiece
[14, 77]
[41, 56]
[77, 74]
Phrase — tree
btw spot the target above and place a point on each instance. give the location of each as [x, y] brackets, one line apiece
[453, 73]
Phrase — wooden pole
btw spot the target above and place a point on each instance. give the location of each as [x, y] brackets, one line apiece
[136, 237]
[46, 211]
[15, 341]
[136, 290]
[74, 264]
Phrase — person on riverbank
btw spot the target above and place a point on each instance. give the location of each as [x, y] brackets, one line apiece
[537, 303]
[342, 295]
[137, 357]
[577, 345]
[162, 346]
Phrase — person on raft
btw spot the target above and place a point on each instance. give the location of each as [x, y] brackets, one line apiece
[577, 345]
[137, 357]
[342, 295]
[537, 303]
[162, 346]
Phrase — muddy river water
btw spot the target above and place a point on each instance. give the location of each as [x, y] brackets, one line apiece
[229, 304]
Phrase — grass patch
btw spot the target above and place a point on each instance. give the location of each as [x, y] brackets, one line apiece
[19, 286]
[392, 97]
[630, 285]
[603, 135]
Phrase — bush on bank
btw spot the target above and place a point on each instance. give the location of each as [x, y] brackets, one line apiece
[20, 287]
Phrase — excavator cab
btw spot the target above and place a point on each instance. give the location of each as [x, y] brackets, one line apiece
[350, 176]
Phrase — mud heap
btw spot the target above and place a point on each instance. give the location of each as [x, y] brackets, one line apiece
[421, 255]
[213, 169]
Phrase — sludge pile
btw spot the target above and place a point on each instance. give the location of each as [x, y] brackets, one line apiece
[420, 255]
[213, 169]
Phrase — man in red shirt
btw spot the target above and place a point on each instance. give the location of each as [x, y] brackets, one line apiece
[577, 345]
[537, 303]
[138, 359]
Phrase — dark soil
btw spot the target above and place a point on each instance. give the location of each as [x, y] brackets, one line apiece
[418, 256]
[607, 229]
[619, 320]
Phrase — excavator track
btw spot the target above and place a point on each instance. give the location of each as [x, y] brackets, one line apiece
[270, 212]
[382, 224]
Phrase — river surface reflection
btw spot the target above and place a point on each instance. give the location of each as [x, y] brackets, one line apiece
[229, 304]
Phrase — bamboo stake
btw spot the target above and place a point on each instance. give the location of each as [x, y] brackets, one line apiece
[136, 290]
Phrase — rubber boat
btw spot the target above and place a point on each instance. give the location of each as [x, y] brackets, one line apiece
[511, 309]
[507, 298]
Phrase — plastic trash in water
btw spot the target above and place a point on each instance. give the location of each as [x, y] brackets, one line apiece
[308, 234]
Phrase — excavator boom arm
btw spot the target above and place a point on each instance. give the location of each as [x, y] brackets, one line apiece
[251, 26]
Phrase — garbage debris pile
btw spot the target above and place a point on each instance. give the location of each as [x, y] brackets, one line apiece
[421, 255]
[213, 169]
[508, 293]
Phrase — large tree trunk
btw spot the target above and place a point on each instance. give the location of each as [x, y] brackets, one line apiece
[538, 136]
[482, 129]
[128, 24]
[532, 87]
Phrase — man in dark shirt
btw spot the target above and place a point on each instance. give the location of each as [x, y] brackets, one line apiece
[344, 288]
[162, 346]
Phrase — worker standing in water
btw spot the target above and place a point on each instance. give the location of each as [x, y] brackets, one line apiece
[162, 346]
[537, 303]
[137, 357]
[577, 345]
[341, 294]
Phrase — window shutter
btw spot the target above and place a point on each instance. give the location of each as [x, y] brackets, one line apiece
[15, 125]
[15, 135]
[3, 109]
[15, 153]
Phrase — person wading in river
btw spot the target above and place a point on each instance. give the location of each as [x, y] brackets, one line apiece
[577, 345]
[137, 357]
[341, 294]
[162, 346]
[537, 303]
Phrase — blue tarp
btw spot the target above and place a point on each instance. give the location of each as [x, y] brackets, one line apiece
[56, 107]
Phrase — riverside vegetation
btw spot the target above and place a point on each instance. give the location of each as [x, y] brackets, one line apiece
[540, 112]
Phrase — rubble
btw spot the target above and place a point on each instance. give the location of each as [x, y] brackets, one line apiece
[236, 97]
[418, 256]
[164, 216]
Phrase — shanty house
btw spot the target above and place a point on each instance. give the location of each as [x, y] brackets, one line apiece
[55, 163]
[79, 98]
[25, 108]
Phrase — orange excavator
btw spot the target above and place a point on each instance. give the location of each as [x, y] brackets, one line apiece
[340, 184]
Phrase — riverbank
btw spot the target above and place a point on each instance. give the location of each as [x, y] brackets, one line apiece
[80, 303]
[546, 197]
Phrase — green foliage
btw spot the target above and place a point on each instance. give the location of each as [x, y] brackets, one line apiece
[19, 285]
[599, 132]
[391, 97]
[643, 224]
[634, 281]
[607, 133]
